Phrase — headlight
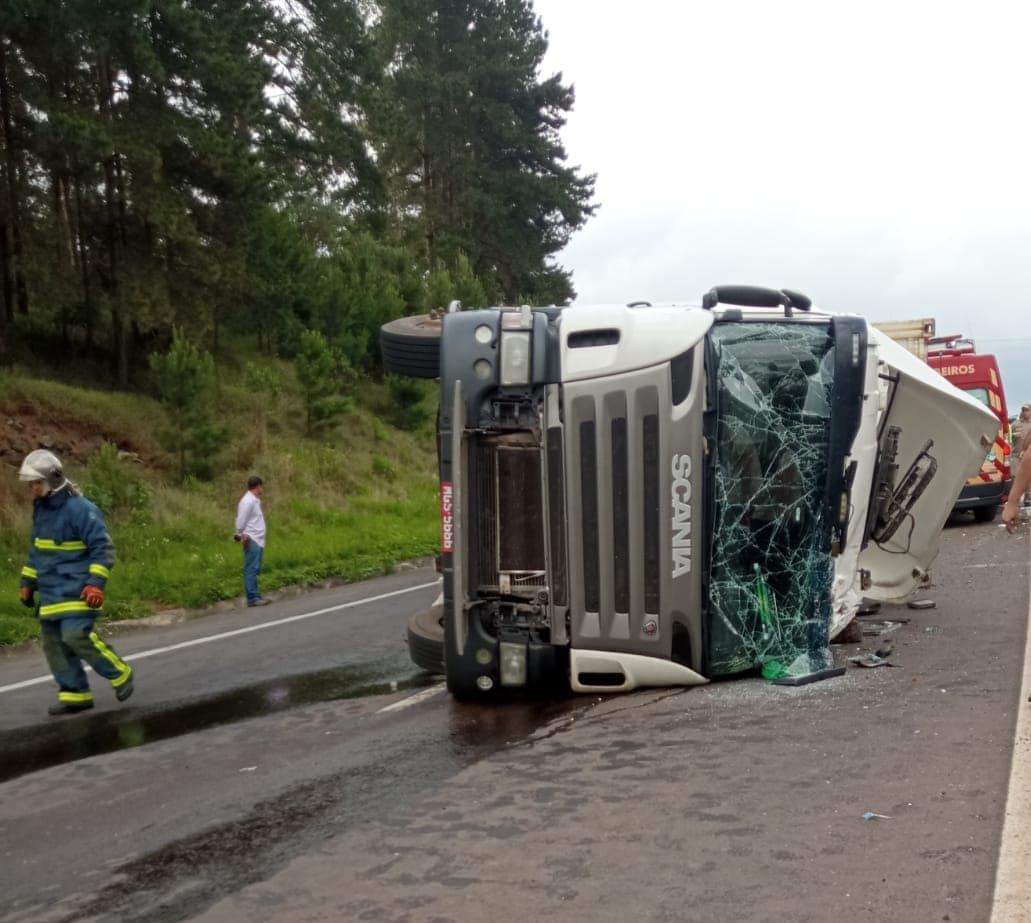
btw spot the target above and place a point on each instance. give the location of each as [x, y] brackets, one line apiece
[515, 357]
[513, 663]
[516, 327]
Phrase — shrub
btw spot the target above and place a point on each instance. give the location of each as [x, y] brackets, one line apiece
[115, 484]
[265, 385]
[322, 375]
[467, 288]
[440, 290]
[186, 385]
[407, 410]
[382, 467]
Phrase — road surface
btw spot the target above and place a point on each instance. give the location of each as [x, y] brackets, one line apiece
[275, 774]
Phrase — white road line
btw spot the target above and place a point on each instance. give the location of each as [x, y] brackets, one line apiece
[239, 631]
[420, 696]
[1012, 902]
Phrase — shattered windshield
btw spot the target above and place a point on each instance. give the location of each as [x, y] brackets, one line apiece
[771, 568]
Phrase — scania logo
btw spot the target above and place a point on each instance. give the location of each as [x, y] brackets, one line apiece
[681, 515]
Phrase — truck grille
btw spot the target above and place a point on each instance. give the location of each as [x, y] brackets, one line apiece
[508, 537]
[650, 439]
[556, 517]
[589, 514]
[615, 553]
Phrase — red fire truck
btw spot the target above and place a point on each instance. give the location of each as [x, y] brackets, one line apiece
[957, 359]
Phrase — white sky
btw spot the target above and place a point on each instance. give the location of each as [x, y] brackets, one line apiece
[876, 156]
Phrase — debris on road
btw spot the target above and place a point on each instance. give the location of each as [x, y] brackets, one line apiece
[807, 678]
[852, 633]
[883, 628]
[870, 815]
[894, 621]
[922, 604]
[871, 660]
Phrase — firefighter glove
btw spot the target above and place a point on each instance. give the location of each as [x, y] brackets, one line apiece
[27, 594]
[94, 596]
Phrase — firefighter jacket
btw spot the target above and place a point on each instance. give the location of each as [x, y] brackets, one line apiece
[70, 550]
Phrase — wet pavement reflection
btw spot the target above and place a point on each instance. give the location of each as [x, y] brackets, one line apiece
[411, 753]
[64, 740]
[472, 728]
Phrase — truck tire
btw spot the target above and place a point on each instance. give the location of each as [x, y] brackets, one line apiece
[411, 346]
[426, 639]
[985, 513]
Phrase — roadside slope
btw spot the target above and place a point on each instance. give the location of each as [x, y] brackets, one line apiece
[350, 505]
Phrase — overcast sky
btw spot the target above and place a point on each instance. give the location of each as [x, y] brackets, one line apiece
[875, 156]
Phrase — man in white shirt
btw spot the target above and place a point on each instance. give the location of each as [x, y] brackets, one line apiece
[250, 532]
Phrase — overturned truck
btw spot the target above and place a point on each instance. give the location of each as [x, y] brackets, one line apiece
[640, 495]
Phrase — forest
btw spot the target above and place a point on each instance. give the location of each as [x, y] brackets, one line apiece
[263, 168]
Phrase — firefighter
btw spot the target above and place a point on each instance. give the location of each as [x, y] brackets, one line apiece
[70, 559]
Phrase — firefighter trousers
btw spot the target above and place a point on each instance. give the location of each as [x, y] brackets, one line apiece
[67, 642]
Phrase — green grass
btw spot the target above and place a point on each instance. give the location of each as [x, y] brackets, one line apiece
[351, 505]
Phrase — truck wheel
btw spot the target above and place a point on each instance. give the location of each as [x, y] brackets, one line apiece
[985, 513]
[411, 346]
[426, 639]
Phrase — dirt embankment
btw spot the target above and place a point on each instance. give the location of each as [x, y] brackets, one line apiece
[74, 441]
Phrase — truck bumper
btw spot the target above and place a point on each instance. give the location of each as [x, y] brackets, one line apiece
[975, 496]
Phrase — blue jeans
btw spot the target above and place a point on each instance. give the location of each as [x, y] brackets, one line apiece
[251, 568]
[67, 643]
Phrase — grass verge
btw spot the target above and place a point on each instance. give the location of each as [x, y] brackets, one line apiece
[350, 505]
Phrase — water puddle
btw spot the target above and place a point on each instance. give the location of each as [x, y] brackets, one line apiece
[64, 740]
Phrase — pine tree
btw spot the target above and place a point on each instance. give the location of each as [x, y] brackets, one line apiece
[186, 386]
[318, 373]
[469, 137]
[273, 167]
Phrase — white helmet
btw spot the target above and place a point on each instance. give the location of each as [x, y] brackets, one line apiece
[42, 465]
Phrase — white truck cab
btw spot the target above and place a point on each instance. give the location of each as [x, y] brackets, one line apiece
[661, 494]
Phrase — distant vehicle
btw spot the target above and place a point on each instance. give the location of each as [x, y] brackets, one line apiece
[637, 495]
[910, 334]
[956, 358]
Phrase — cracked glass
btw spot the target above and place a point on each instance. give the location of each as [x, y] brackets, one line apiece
[771, 568]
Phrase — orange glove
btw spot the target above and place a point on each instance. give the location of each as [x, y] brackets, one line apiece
[94, 596]
[26, 595]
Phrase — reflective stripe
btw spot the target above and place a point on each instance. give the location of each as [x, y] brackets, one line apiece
[63, 608]
[74, 698]
[29, 572]
[124, 670]
[48, 544]
[99, 570]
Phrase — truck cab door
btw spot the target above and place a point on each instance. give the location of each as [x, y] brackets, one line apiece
[930, 437]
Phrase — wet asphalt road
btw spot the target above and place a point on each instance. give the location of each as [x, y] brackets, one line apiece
[351, 652]
[257, 778]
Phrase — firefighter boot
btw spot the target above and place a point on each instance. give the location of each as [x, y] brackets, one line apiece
[68, 708]
[124, 688]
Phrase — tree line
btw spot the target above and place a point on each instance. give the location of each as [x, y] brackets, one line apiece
[271, 168]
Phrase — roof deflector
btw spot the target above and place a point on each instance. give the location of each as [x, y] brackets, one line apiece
[755, 296]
